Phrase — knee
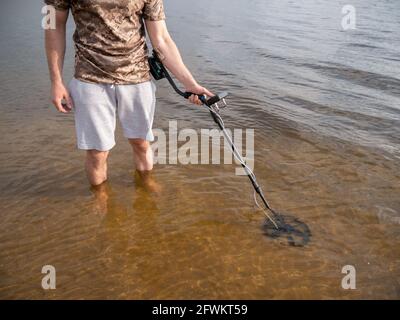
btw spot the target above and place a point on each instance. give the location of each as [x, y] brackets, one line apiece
[96, 159]
[140, 145]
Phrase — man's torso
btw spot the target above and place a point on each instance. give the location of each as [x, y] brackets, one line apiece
[110, 38]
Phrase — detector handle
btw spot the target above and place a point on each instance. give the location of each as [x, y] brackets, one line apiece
[213, 100]
[159, 72]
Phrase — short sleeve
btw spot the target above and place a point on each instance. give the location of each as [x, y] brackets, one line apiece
[153, 10]
[59, 4]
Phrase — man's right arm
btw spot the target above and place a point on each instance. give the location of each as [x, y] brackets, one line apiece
[55, 42]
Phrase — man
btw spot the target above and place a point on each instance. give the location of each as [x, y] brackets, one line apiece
[112, 75]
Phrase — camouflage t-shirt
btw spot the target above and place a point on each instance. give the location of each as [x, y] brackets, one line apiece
[110, 43]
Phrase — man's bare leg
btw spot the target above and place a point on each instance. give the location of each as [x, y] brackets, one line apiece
[142, 154]
[143, 157]
[101, 194]
[96, 166]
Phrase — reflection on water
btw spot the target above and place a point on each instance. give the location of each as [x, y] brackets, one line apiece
[324, 105]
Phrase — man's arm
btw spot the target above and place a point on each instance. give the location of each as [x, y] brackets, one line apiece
[171, 58]
[55, 50]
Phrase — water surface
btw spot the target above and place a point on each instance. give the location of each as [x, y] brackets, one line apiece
[324, 104]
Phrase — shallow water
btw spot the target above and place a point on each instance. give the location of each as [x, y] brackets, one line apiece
[324, 104]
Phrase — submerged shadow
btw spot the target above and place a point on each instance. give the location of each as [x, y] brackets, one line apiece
[296, 232]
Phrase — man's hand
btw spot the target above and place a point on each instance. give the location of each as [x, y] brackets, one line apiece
[198, 90]
[61, 98]
[55, 51]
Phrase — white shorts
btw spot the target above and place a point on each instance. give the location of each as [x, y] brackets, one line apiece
[97, 105]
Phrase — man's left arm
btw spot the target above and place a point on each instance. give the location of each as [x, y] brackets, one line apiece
[171, 58]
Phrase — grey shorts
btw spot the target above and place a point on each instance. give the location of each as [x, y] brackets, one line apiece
[97, 105]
